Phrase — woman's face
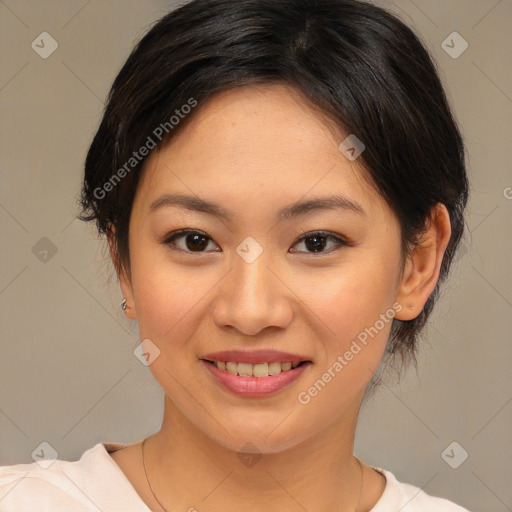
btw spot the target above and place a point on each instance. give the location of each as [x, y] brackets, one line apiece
[246, 283]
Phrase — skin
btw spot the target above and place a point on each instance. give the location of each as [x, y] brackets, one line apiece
[254, 150]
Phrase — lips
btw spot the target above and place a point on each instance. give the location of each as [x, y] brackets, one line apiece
[257, 373]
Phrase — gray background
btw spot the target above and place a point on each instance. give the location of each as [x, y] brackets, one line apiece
[68, 375]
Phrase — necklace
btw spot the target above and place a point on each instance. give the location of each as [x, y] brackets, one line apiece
[146, 473]
[160, 503]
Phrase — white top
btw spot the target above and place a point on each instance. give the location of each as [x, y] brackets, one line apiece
[96, 482]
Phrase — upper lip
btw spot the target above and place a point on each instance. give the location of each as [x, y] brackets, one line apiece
[254, 357]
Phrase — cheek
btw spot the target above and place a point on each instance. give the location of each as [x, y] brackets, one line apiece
[352, 298]
[167, 296]
[356, 304]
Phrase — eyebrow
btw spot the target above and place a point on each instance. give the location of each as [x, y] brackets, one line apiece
[198, 204]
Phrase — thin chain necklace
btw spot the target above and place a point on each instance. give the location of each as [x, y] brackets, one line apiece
[160, 503]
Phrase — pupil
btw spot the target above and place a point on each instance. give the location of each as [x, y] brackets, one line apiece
[316, 244]
[198, 242]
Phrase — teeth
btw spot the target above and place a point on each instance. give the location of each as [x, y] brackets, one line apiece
[256, 370]
[245, 369]
[231, 368]
[286, 366]
[274, 368]
[259, 370]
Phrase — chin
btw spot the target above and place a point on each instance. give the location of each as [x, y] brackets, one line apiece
[258, 438]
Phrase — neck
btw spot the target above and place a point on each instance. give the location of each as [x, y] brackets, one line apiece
[189, 470]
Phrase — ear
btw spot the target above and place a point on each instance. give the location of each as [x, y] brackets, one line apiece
[122, 276]
[422, 268]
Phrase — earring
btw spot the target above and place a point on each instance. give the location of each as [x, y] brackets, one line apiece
[124, 307]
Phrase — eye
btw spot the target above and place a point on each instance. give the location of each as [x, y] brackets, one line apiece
[193, 240]
[316, 241]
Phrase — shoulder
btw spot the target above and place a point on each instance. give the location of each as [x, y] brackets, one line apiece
[24, 485]
[59, 485]
[409, 498]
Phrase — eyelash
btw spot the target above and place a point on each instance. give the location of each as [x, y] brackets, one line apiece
[169, 239]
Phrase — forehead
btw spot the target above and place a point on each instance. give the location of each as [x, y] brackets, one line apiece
[258, 142]
[266, 120]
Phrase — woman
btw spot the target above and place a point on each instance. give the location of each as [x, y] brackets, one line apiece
[282, 187]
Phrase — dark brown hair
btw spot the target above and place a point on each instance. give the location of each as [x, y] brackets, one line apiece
[356, 62]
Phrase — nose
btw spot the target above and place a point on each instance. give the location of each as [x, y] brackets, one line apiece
[252, 298]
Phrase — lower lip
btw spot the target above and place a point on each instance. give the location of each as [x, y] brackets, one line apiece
[256, 386]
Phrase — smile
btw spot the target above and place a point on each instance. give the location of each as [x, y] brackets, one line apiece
[256, 370]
